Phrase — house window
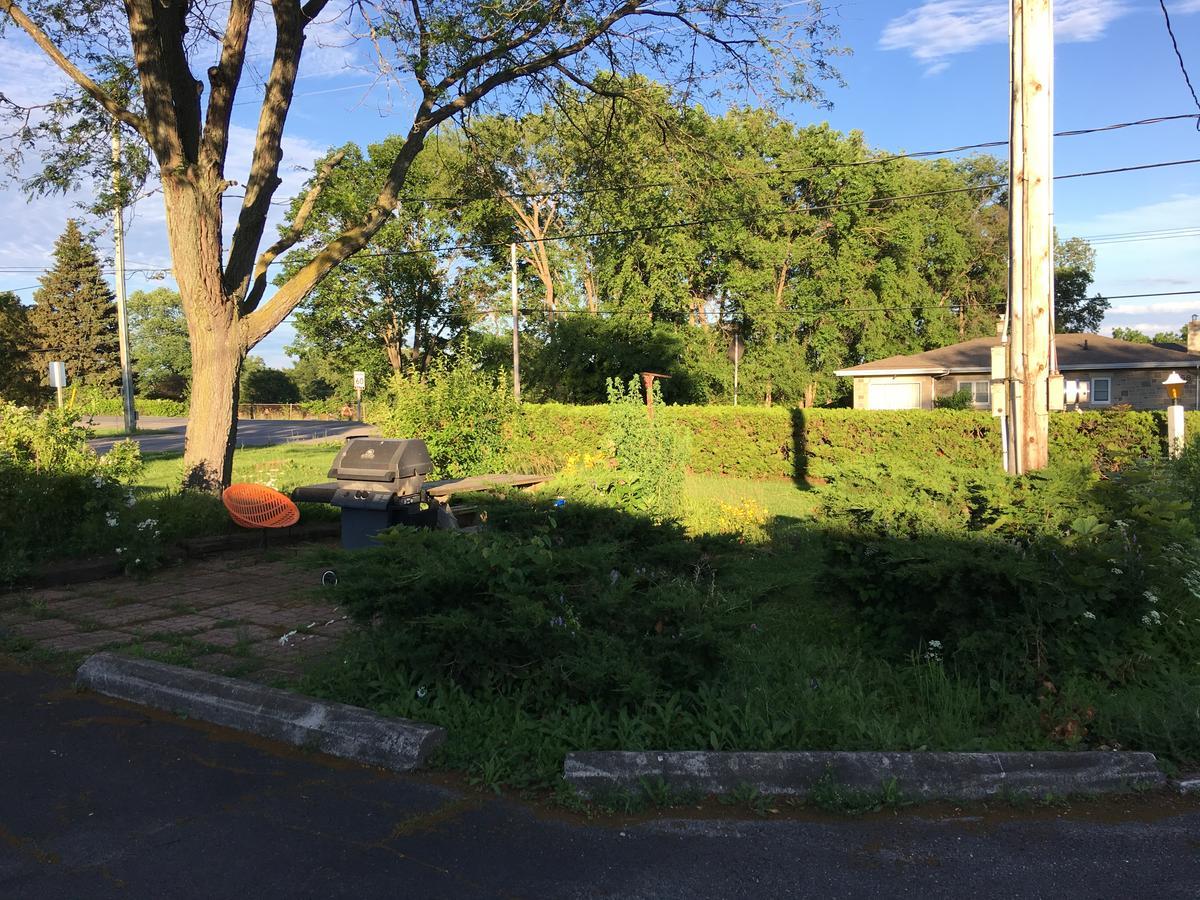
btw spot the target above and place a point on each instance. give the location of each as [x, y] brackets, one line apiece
[981, 391]
[1102, 390]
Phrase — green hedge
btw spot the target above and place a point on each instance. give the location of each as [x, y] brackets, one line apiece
[111, 406]
[759, 442]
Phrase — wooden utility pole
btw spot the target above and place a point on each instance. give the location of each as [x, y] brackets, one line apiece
[1031, 235]
[516, 313]
[130, 415]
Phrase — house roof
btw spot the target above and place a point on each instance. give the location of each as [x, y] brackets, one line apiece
[1075, 352]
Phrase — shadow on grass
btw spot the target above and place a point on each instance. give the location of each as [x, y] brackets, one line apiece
[588, 627]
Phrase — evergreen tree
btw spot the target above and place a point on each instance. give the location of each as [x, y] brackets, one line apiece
[76, 315]
[18, 372]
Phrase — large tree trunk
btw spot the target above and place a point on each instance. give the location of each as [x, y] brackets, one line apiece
[214, 329]
[212, 423]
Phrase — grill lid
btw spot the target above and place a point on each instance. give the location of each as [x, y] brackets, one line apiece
[373, 459]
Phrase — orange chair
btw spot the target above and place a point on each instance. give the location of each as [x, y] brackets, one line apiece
[258, 506]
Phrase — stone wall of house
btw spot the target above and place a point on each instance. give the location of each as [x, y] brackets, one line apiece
[948, 385]
[1139, 388]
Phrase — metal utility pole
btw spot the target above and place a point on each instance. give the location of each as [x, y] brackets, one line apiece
[119, 266]
[1031, 235]
[516, 314]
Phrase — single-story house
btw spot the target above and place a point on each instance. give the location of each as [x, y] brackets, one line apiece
[1099, 372]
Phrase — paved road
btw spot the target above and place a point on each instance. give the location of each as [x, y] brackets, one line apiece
[100, 799]
[251, 432]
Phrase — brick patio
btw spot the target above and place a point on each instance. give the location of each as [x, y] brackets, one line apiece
[252, 614]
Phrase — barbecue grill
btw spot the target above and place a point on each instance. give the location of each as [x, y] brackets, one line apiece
[381, 483]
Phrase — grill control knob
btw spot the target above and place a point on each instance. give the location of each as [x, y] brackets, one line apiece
[361, 495]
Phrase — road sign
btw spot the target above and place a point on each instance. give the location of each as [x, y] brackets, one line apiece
[58, 374]
[360, 381]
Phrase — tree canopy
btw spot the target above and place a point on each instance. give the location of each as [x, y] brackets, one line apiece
[75, 313]
[135, 65]
[648, 233]
[18, 339]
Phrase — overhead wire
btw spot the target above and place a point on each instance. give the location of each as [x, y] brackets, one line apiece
[1179, 56]
[462, 199]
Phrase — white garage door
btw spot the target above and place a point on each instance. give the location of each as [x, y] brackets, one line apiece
[894, 395]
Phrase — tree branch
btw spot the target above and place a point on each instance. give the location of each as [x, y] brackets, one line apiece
[224, 78]
[94, 90]
[258, 324]
[268, 150]
[290, 236]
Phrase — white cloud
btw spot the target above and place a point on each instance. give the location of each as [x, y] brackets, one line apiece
[1159, 265]
[1187, 6]
[938, 29]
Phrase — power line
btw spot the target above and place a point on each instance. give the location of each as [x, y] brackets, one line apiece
[779, 213]
[1159, 294]
[461, 199]
[506, 312]
[747, 217]
[1179, 56]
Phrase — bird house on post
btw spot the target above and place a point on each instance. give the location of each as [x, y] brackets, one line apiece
[648, 383]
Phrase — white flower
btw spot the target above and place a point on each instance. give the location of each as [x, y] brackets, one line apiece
[421, 692]
[934, 645]
[1151, 597]
[111, 519]
[98, 480]
[1089, 615]
[1117, 571]
[136, 561]
[130, 499]
[1152, 618]
[120, 550]
[149, 523]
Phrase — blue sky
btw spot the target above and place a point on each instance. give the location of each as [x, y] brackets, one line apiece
[922, 75]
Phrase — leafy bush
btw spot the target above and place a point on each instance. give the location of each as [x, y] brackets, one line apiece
[571, 621]
[458, 409]
[60, 498]
[962, 399]
[761, 442]
[1037, 578]
[112, 406]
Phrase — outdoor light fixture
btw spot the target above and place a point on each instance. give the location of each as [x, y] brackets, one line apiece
[1175, 423]
[1174, 382]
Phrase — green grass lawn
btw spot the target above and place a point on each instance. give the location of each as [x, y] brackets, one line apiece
[283, 467]
[119, 432]
[779, 496]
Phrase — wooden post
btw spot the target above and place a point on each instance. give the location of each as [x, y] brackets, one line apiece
[1031, 235]
[127, 408]
[516, 316]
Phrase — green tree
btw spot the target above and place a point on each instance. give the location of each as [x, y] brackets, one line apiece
[1171, 337]
[76, 314]
[137, 64]
[262, 384]
[18, 339]
[1130, 334]
[386, 310]
[159, 345]
[315, 379]
[1074, 271]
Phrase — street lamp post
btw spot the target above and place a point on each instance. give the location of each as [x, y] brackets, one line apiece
[1175, 427]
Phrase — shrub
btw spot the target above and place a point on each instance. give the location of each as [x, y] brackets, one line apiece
[59, 497]
[458, 409]
[522, 608]
[1043, 577]
[962, 399]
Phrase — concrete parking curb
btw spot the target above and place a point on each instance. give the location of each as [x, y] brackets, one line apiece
[917, 776]
[334, 728]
